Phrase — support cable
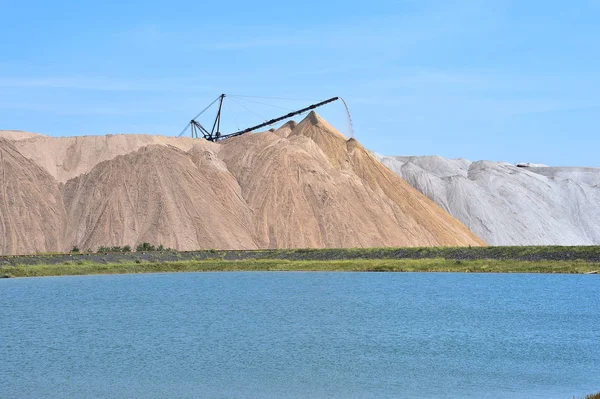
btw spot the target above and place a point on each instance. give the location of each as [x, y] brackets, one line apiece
[247, 109]
[269, 105]
[200, 113]
[272, 98]
[205, 109]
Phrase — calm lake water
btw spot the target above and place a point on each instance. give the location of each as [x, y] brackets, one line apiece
[300, 335]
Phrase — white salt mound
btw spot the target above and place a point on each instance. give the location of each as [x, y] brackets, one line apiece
[509, 205]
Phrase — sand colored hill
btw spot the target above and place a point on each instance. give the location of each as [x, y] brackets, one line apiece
[159, 194]
[303, 185]
[285, 130]
[317, 189]
[32, 216]
[68, 157]
[509, 205]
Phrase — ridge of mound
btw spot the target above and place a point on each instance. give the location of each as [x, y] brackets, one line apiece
[17, 135]
[68, 157]
[31, 209]
[286, 129]
[589, 176]
[331, 142]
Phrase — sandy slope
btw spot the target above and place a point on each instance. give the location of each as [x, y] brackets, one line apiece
[508, 205]
[317, 189]
[32, 216]
[304, 185]
[158, 194]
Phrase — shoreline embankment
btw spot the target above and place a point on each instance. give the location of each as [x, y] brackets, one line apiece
[566, 260]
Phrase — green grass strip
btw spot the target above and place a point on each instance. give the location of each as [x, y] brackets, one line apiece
[357, 265]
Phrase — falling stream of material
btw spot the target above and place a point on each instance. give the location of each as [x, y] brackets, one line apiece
[350, 125]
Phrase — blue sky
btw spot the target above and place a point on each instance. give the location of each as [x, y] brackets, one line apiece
[499, 80]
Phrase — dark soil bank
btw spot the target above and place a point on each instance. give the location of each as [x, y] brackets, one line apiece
[554, 253]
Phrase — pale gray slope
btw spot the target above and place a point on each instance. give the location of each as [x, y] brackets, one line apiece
[589, 176]
[508, 205]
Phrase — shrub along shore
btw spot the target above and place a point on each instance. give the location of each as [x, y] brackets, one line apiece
[149, 258]
[83, 267]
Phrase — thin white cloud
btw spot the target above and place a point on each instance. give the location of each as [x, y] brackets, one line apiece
[390, 33]
[100, 84]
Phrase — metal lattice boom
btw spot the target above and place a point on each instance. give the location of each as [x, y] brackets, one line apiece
[214, 134]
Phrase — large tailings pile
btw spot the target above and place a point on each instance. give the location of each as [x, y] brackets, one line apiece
[304, 185]
[508, 205]
[317, 189]
[32, 215]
